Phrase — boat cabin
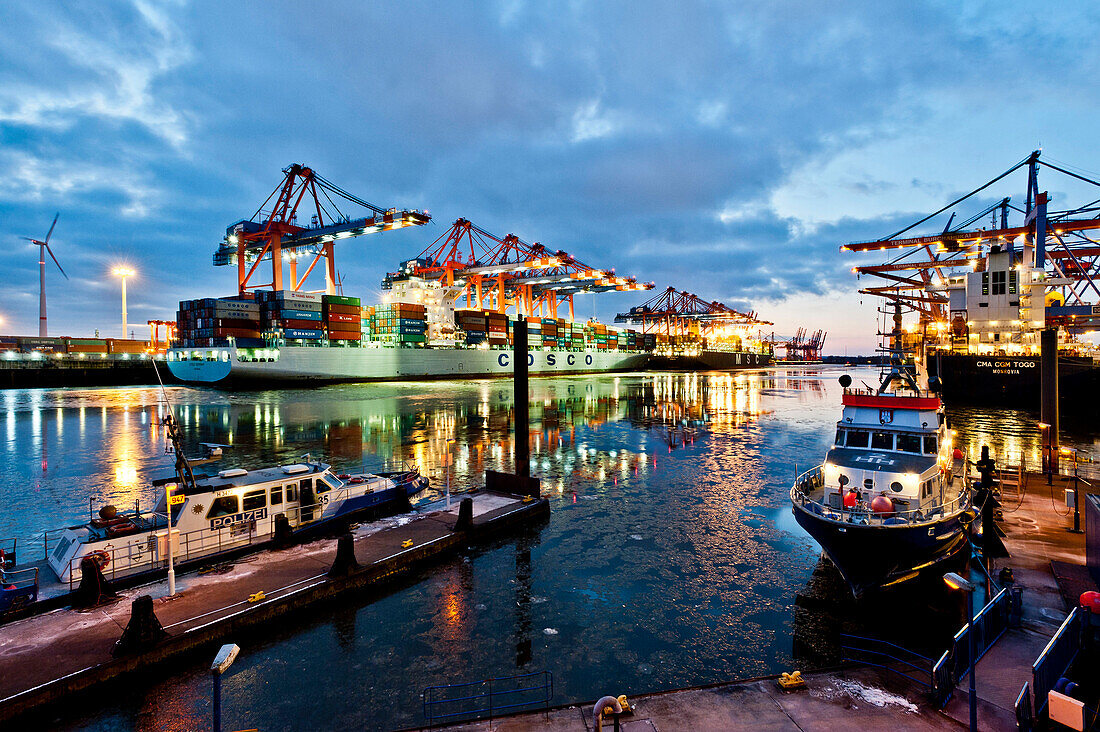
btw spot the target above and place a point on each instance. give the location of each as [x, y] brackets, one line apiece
[890, 456]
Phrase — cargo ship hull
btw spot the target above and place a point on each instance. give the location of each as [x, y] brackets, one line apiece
[1012, 381]
[303, 365]
[709, 361]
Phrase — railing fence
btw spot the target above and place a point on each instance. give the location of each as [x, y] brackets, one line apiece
[451, 703]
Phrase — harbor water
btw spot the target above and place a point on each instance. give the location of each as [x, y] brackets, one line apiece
[671, 557]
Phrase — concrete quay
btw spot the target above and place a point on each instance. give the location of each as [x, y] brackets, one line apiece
[48, 657]
[838, 700]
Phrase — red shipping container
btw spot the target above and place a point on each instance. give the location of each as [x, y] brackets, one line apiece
[342, 318]
[296, 324]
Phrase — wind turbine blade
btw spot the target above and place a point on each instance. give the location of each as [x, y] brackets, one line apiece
[30, 239]
[51, 227]
[55, 259]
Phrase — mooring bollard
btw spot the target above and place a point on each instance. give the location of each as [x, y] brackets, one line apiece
[143, 631]
[345, 562]
[283, 535]
[465, 515]
[94, 589]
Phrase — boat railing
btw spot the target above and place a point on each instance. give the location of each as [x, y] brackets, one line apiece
[197, 543]
[8, 553]
[922, 393]
[814, 479]
[18, 579]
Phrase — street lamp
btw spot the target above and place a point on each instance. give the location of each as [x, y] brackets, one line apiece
[123, 272]
[225, 658]
[1077, 480]
[956, 582]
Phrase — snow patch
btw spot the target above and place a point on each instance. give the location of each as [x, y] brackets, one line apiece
[874, 695]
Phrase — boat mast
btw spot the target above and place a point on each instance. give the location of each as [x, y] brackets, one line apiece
[896, 354]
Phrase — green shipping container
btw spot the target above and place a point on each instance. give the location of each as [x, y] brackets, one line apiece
[341, 300]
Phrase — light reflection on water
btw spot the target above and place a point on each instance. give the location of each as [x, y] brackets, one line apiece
[671, 557]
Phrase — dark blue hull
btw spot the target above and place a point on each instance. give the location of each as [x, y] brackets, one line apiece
[875, 557]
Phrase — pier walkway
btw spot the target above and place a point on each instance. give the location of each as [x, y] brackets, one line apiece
[46, 657]
[1037, 524]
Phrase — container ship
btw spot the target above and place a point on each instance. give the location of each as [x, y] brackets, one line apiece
[984, 296]
[445, 313]
[308, 338]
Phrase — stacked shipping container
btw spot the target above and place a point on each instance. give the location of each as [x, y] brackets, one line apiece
[343, 319]
[295, 316]
[400, 324]
[210, 321]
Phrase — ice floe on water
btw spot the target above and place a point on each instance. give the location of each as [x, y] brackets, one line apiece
[636, 537]
[550, 631]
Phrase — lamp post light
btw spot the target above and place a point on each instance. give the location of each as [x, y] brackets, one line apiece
[1076, 487]
[226, 655]
[123, 272]
[956, 582]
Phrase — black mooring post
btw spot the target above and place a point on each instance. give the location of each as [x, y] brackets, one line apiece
[1048, 373]
[519, 365]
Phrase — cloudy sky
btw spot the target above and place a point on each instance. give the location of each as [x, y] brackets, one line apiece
[723, 148]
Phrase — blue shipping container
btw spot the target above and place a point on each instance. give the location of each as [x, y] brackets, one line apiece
[296, 334]
[289, 314]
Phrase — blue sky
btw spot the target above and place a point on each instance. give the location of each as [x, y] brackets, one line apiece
[726, 149]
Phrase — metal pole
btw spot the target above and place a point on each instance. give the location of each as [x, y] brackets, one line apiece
[970, 646]
[1048, 373]
[1076, 498]
[42, 290]
[124, 306]
[217, 702]
[171, 563]
[519, 366]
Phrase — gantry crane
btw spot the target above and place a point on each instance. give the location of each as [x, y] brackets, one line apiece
[676, 313]
[274, 235]
[483, 271]
[1053, 240]
[802, 346]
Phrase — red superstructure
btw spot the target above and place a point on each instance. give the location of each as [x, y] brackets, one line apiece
[889, 401]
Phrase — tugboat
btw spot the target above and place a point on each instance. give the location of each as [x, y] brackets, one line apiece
[887, 503]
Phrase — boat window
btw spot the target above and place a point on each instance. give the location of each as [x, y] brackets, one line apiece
[882, 440]
[840, 438]
[223, 506]
[255, 499]
[276, 495]
[857, 438]
[291, 492]
[895, 487]
[931, 444]
[909, 443]
[328, 484]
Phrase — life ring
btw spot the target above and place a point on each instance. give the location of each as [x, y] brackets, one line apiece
[343, 476]
[356, 479]
[100, 557]
[124, 527]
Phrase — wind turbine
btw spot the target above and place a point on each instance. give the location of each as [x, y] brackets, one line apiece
[43, 247]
